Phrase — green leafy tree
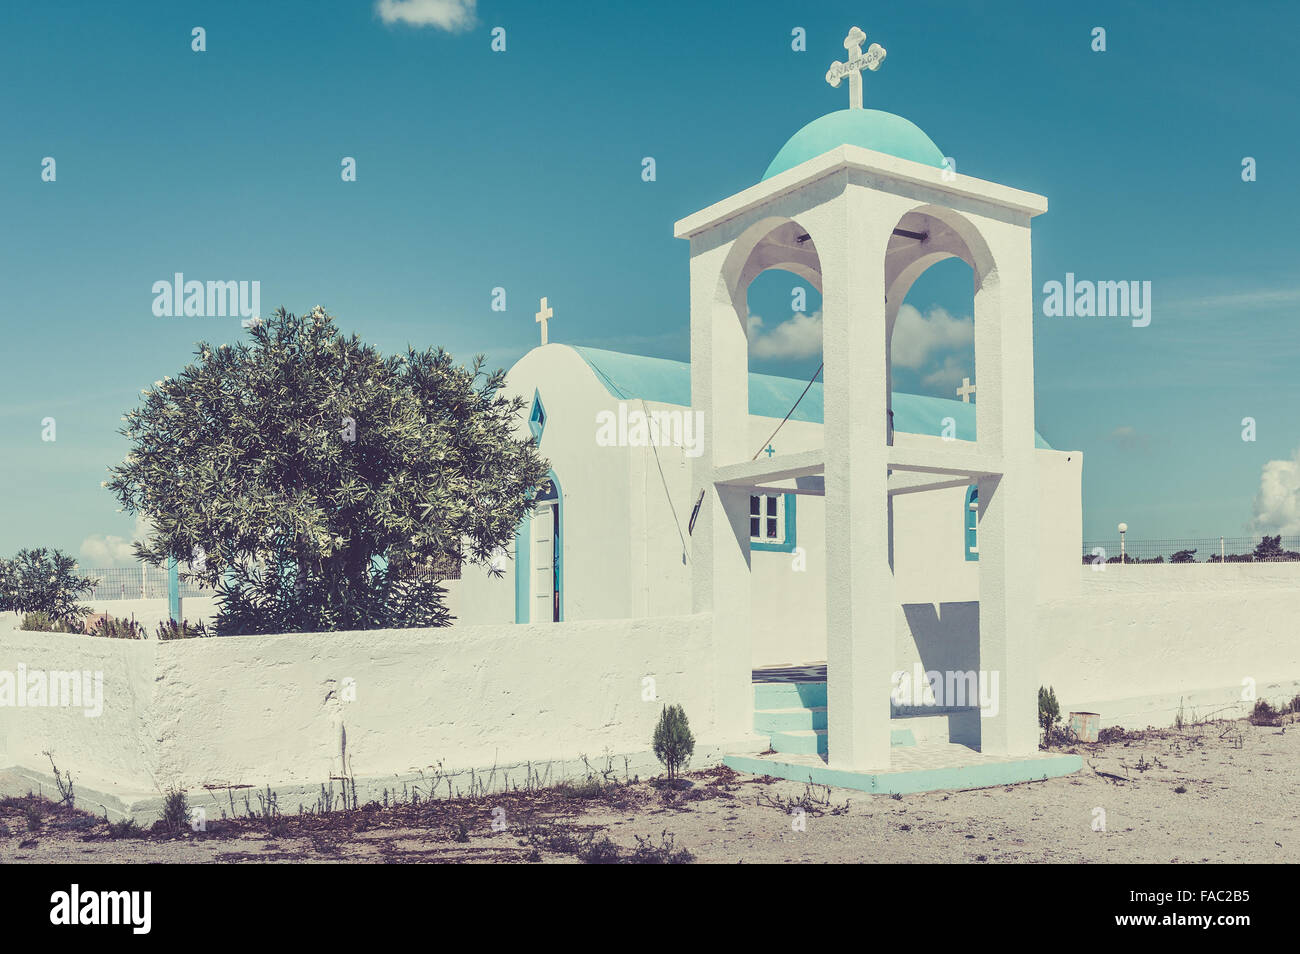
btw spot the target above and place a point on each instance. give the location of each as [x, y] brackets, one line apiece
[673, 742]
[1049, 713]
[47, 582]
[1269, 549]
[8, 586]
[307, 477]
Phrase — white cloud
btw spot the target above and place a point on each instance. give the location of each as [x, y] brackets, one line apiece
[450, 15]
[798, 337]
[100, 550]
[1277, 505]
[944, 379]
[919, 341]
[105, 550]
[917, 337]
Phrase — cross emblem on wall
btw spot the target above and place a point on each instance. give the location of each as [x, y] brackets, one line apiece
[965, 391]
[857, 62]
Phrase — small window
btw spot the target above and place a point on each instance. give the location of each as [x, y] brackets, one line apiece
[970, 521]
[771, 521]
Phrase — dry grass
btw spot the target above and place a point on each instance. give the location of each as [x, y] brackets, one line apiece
[1221, 792]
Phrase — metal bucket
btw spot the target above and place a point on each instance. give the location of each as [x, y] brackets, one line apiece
[1085, 726]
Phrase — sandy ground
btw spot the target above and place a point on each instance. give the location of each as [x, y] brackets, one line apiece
[1224, 792]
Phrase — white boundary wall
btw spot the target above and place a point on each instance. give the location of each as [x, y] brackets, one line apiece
[259, 710]
[1142, 640]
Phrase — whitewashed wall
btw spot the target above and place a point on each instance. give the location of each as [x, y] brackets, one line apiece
[114, 752]
[1141, 640]
[258, 710]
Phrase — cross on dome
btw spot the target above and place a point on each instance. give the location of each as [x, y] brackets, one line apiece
[544, 314]
[857, 62]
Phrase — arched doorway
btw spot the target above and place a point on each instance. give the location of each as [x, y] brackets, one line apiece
[539, 558]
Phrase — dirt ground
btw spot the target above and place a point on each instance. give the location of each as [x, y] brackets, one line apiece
[1222, 792]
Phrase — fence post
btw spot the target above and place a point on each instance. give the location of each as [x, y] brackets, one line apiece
[173, 590]
[1220, 551]
[144, 581]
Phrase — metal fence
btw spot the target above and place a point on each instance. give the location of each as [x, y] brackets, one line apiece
[145, 582]
[141, 582]
[1274, 549]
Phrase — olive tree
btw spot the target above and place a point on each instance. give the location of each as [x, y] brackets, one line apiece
[318, 484]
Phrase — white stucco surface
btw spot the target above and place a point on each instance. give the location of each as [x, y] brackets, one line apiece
[1139, 639]
[259, 710]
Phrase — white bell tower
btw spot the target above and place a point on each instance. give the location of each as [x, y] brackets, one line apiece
[859, 203]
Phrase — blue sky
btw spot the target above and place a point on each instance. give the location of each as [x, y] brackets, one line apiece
[479, 169]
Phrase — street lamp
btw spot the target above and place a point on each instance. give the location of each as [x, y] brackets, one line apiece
[1123, 529]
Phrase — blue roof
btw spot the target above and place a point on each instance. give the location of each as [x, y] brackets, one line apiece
[869, 128]
[628, 376]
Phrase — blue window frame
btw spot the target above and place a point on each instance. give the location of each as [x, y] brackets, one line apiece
[537, 416]
[772, 522]
[971, 517]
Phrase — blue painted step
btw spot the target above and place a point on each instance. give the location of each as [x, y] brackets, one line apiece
[793, 716]
[768, 721]
[813, 741]
[789, 695]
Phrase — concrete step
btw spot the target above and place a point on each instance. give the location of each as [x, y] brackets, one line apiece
[813, 741]
[789, 695]
[800, 742]
[767, 721]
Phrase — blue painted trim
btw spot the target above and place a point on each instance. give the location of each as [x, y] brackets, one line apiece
[523, 551]
[537, 416]
[630, 376]
[970, 520]
[790, 526]
[173, 590]
[523, 548]
[985, 775]
[559, 541]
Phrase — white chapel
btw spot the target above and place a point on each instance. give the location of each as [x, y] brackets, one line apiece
[836, 526]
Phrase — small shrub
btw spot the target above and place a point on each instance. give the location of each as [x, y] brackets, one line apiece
[114, 627]
[589, 787]
[1263, 714]
[673, 742]
[600, 851]
[63, 780]
[664, 853]
[1049, 712]
[40, 622]
[126, 828]
[176, 811]
[170, 629]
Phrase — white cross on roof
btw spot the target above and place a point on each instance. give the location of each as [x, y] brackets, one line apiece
[857, 62]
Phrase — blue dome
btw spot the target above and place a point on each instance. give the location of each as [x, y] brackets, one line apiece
[869, 128]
